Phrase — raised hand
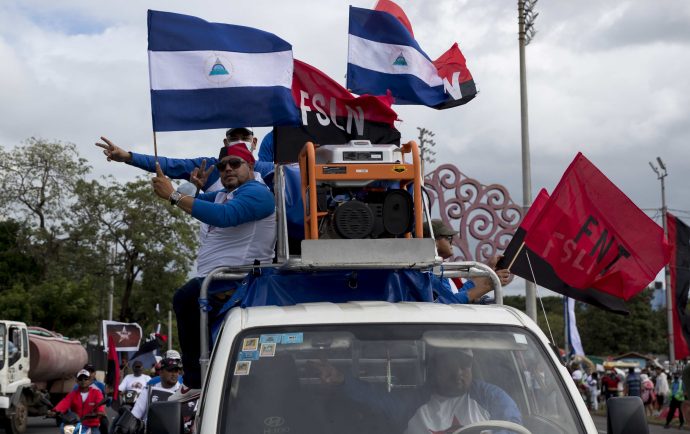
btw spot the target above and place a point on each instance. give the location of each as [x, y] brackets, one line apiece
[161, 184]
[200, 175]
[113, 152]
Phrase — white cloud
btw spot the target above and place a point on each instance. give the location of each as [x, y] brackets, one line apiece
[606, 78]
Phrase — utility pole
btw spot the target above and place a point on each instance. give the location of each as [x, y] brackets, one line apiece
[526, 32]
[661, 174]
[170, 330]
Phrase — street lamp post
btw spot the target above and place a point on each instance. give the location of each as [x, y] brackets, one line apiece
[661, 174]
[526, 32]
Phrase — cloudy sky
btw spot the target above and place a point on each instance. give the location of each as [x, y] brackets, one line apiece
[608, 78]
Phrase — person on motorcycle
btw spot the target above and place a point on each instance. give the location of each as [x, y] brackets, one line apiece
[136, 381]
[85, 401]
[170, 372]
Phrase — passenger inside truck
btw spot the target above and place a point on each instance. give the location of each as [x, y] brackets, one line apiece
[398, 379]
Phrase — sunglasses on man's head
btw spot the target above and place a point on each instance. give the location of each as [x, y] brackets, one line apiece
[234, 164]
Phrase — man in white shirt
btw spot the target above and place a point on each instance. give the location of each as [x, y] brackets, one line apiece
[170, 371]
[457, 400]
[136, 381]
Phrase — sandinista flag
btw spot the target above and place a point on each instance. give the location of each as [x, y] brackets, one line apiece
[679, 238]
[329, 114]
[523, 262]
[595, 237]
[396, 11]
[383, 56]
[211, 75]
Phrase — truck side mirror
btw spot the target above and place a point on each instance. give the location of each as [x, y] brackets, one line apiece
[165, 417]
[625, 415]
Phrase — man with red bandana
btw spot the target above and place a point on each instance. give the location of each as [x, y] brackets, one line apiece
[237, 222]
[241, 229]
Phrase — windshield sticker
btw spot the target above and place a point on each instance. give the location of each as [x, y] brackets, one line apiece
[292, 338]
[268, 350]
[270, 339]
[248, 355]
[242, 368]
[520, 338]
[250, 344]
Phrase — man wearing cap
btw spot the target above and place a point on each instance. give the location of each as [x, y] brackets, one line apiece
[457, 399]
[241, 230]
[170, 371]
[471, 290]
[199, 171]
[85, 401]
[136, 381]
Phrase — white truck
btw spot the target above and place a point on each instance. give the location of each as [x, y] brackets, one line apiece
[368, 366]
[36, 365]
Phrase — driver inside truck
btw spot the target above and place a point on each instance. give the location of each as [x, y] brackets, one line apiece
[457, 399]
[451, 399]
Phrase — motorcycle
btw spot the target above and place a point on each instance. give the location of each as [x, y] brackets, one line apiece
[70, 424]
[128, 398]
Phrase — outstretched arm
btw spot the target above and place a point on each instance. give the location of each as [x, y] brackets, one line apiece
[175, 168]
[482, 285]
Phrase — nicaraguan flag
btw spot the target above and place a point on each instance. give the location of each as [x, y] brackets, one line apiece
[383, 57]
[212, 75]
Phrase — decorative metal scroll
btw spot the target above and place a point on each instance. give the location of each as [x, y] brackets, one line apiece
[485, 216]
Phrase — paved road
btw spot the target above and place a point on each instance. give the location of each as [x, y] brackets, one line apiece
[39, 425]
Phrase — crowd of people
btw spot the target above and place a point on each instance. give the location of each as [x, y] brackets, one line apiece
[89, 398]
[661, 391]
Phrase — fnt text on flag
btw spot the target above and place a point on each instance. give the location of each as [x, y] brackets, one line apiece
[383, 56]
[594, 236]
[212, 75]
[523, 262]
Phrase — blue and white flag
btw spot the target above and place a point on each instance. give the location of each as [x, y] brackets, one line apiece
[384, 57]
[211, 75]
[571, 325]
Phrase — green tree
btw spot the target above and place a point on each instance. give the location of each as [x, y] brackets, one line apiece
[16, 266]
[154, 243]
[38, 180]
[644, 330]
[606, 333]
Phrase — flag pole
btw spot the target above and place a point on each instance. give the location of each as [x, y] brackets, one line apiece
[516, 255]
[155, 146]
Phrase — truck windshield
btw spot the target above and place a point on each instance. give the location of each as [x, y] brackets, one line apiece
[383, 378]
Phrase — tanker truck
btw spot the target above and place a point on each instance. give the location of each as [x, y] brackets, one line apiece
[37, 366]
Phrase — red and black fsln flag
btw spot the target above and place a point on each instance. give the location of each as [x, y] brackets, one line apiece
[332, 115]
[679, 239]
[588, 241]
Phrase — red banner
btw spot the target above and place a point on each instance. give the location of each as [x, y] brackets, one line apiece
[679, 238]
[525, 263]
[535, 209]
[593, 236]
[332, 115]
[396, 11]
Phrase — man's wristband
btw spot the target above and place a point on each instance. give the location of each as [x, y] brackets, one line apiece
[175, 197]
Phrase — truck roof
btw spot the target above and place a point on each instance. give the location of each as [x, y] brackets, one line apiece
[376, 312]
